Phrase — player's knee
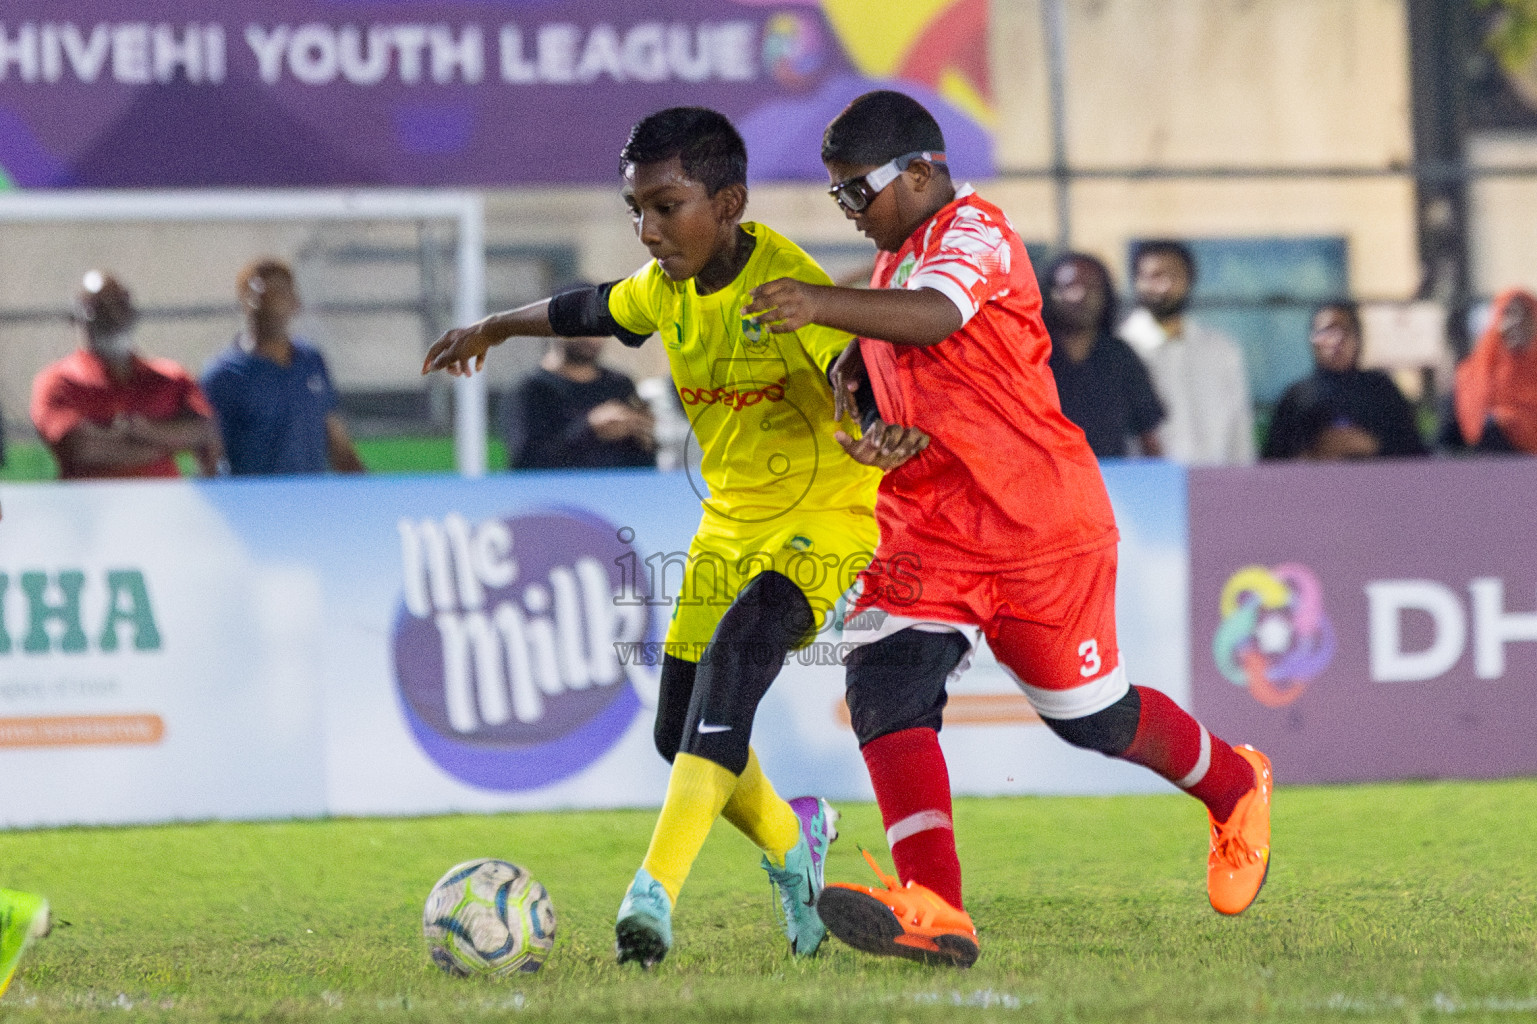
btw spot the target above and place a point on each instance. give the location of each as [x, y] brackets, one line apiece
[898, 682]
[770, 609]
[872, 719]
[1109, 731]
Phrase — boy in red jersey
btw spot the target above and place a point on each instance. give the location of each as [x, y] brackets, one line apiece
[1004, 520]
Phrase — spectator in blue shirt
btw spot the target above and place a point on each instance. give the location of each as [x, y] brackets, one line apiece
[276, 405]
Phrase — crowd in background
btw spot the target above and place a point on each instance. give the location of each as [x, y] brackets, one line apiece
[1160, 383]
[1154, 383]
[265, 405]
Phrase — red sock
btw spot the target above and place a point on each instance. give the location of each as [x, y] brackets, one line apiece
[1176, 746]
[912, 786]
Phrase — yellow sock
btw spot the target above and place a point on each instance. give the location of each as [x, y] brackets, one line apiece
[762, 814]
[696, 792]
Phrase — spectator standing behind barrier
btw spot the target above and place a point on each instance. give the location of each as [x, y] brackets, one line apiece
[276, 404]
[572, 413]
[1197, 370]
[1102, 385]
[1341, 411]
[1495, 394]
[107, 412]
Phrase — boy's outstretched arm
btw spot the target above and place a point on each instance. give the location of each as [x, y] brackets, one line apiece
[462, 350]
[918, 317]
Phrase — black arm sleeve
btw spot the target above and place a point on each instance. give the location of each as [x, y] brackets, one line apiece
[583, 312]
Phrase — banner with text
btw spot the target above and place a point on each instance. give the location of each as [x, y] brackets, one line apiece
[1369, 622]
[248, 649]
[270, 93]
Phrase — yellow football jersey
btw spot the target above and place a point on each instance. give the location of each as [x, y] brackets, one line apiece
[759, 401]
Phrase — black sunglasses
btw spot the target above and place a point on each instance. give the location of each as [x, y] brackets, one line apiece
[854, 194]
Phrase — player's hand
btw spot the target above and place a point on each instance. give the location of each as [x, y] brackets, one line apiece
[884, 446]
[462, 350]
[783, 305]
[847, 374]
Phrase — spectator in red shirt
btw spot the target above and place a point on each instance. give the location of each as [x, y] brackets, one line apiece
[107, 412]
[1495, 397]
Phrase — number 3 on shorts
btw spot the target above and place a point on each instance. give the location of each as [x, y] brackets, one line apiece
[1089, 652]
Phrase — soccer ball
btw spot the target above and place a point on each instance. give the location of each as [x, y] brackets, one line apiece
[488, 917]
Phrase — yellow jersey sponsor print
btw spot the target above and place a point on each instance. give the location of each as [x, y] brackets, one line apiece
[759, 402]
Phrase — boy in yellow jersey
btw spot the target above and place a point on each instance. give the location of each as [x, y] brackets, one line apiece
[787, 526]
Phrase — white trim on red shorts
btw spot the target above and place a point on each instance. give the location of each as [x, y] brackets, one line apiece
[875, 624]
[1079, 702]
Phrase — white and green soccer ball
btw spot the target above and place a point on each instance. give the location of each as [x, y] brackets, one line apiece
[488, 917]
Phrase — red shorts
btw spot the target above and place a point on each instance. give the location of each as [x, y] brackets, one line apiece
[1052, 626]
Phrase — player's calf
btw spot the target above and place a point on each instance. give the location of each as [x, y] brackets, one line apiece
[896, 698]
[1146, 727]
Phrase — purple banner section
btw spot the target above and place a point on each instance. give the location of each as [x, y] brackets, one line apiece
[1368, 622]
[179, 93]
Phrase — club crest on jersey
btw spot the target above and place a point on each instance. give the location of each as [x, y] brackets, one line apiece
[754, 334]
[904, 270]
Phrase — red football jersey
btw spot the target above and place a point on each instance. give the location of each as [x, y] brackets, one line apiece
[1007, 481]
[79, 388]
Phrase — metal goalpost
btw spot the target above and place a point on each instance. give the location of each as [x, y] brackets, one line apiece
[465, 209]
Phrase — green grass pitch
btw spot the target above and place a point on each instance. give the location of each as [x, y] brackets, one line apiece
[1412, 902]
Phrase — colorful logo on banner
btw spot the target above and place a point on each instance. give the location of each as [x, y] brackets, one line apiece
[1275, 637]
[794, 49]
[507, 643]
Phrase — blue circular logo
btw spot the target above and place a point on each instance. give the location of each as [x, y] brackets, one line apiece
[516, 644]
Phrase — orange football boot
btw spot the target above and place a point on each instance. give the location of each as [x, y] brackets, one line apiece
[911, 921]
[1240, 847]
